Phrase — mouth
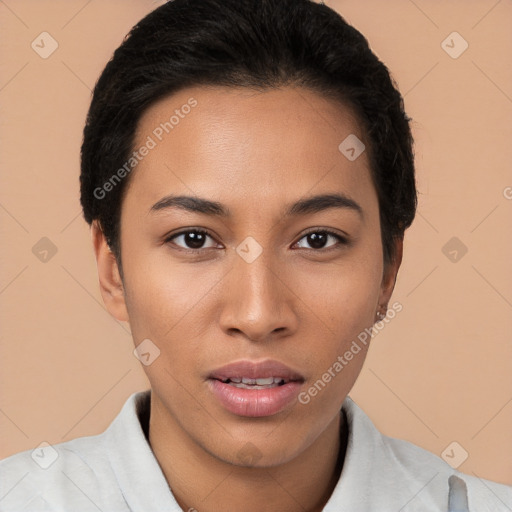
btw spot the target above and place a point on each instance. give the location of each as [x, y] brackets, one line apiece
[255, 389]
[264, 383]
[256, 373]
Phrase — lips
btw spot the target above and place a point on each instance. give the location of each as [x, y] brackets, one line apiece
[247, 388]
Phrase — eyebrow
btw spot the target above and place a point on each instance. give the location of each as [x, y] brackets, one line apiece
[308, 205]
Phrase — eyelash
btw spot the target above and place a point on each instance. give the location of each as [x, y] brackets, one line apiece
[342, 240]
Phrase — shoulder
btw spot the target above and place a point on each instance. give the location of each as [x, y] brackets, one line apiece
[396, 462]
[74, 475]
[72, 472]
[483, 495]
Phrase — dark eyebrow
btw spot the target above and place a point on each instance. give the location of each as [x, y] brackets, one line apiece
[192, 204]
[304, 206]
[323, 202]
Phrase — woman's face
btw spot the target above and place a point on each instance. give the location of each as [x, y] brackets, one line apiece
[266, 281]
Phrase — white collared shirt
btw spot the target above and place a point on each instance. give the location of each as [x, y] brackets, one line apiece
[116, 471]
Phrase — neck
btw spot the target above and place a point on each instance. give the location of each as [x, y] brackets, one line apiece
[200, 480]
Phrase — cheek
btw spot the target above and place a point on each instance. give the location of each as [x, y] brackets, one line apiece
[342, 296]
[341, 300]
[342, 313]
[165, 299]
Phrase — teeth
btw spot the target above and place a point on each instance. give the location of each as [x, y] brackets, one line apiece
[252, 386]
[247, 383]
[264, 382]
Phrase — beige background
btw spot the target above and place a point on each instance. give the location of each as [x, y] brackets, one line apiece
[440, 372]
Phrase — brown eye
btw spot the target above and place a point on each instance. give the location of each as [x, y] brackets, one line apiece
[193, 239]
[318, 239]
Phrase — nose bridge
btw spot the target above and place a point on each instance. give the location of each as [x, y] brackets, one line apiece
[256, 301]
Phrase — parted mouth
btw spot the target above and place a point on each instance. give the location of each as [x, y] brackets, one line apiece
[245, 383]
[251, 374]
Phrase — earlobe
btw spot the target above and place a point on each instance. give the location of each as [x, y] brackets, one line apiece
[111, 284]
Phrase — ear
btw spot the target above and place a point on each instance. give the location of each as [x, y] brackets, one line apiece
[389, 275]
[111, 284]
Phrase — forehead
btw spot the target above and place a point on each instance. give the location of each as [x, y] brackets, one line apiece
[239, 143]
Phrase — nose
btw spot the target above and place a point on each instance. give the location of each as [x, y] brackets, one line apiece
[258, 302]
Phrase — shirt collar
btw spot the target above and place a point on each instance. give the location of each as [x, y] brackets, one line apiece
[138, 473]
[143, 483]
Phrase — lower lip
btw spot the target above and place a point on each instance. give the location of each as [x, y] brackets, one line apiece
[255, 402]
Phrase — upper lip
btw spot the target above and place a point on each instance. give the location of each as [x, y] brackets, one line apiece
[256, 370]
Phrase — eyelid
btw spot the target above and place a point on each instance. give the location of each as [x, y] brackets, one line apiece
[342, 239]
[169, 238]
[329, 231]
